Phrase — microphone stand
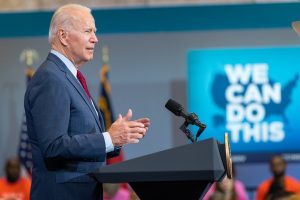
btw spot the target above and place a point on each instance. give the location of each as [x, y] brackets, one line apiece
[186, 131]
[193, 120]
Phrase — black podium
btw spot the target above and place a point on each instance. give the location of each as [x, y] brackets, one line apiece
[184, 172]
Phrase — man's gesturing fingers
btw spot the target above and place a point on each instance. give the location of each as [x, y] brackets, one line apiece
[145, 121]
[132, 124]
[123, 132]
[128, 116]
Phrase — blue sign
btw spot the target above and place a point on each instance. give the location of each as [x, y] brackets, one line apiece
[253, 94]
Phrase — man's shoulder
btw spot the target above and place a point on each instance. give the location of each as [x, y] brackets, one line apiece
[48, 70]
[48, 75]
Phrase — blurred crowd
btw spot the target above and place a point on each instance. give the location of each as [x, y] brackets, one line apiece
[14, 186]
[278, 187]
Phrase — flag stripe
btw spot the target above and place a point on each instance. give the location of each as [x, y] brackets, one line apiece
[24, 150]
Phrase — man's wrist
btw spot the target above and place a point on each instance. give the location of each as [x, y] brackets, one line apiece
[109, 146]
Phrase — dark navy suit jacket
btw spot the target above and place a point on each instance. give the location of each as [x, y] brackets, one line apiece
[64, 129]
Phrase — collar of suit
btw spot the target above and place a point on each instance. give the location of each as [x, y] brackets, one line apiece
[70, 70]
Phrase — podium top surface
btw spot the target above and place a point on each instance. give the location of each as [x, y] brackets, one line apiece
[197, 161]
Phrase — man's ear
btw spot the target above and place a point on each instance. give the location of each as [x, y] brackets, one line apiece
[63, 36]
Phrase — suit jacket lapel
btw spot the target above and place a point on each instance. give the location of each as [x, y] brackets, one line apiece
[82, 93]
[70, 77]
[100, 117]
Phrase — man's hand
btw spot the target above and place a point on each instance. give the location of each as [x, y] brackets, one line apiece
[145, 121]
[123, 131]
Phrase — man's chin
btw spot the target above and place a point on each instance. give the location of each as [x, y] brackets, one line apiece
[89, 57]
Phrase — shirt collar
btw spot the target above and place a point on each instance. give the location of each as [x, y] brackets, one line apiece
[66, 61]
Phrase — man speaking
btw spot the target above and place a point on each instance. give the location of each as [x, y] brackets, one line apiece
[65, 128]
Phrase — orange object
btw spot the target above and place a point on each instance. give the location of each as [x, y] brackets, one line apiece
[291, 185]
[19, 190]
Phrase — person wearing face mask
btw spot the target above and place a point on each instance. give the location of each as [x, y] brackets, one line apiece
[13, 186]
[280, 185]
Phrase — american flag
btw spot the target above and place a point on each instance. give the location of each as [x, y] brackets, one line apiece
[24, 151]
[105, 104]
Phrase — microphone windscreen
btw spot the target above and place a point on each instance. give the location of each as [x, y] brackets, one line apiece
[174, 107]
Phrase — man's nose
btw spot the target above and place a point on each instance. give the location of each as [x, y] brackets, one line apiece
[94, 38]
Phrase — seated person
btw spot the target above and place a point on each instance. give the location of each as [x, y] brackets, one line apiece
[13, 186]
[227, 189]
[115, 191]
[280, 185]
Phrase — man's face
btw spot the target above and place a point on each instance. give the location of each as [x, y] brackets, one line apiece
[13, 170]
[81, 39]
[278, 166]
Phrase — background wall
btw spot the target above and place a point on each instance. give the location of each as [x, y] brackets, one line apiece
[20, 5]
[147, 68]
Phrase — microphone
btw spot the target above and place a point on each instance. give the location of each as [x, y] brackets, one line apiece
[190, 118]
[178, 110]
[175, 108]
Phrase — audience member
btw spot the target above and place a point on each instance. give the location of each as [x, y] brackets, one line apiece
[13, 186]
[279, 186]
[114, 191]
[227, 189]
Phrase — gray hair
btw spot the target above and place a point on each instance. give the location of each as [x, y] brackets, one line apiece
[63, 18]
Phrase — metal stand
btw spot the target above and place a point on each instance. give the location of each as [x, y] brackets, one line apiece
[193, 120]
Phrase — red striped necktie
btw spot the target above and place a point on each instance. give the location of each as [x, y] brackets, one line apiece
[83, 83]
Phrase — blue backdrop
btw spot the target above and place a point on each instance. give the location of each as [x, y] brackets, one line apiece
[253, 94]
